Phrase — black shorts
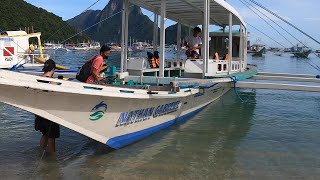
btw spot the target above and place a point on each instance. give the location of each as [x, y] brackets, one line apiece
[47, 127]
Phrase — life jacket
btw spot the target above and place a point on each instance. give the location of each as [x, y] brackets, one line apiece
[216, 56]
[152, 63]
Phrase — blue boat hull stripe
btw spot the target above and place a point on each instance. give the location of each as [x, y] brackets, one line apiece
[121, 141]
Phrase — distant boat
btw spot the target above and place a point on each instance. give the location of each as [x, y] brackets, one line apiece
[258, 50]
[138, 46]
[16, 50]
[51, 46]
[115, 47]
[300, 51]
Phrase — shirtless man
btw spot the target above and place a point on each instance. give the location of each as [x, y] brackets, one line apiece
[50, 130]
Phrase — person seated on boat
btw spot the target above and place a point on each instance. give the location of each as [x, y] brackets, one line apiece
[151, 60]
[193, 43]
[97, 64]
[31, 51]
[226, 57]
[216, 56]
[50, 130]
[157, 58]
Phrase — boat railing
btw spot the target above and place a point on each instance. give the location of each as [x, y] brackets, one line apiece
[30, 58]
[235, 66]
[177, 64]
[222, 66]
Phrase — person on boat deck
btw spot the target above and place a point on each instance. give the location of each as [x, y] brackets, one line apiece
[31, 51]
[193, 43]
[97, 64]
[50, 130]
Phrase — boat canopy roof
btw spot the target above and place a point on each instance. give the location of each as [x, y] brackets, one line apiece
[19, 33]
[190, 12]
[14, 33]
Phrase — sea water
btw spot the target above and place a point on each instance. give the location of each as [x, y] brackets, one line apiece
[272, 135]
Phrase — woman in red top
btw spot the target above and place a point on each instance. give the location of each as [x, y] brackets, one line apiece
[97, 64]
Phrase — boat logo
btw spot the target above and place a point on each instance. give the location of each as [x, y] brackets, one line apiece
[98, 111]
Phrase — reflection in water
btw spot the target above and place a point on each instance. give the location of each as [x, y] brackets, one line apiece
[203, 147]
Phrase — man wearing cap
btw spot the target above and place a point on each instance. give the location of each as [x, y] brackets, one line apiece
[193, 43]
[98, 64]
[50, 130]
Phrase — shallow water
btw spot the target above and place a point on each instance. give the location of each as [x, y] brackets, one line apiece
[273, 135]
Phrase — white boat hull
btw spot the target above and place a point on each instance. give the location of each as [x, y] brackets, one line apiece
[118, 119]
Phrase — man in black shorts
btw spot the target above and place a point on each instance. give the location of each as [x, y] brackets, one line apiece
[50, 130]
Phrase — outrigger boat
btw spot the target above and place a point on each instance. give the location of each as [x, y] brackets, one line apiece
[14, 50]
[118, 115]
[301, 51]
[258, 50]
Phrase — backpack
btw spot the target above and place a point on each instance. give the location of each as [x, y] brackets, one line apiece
[85, 71]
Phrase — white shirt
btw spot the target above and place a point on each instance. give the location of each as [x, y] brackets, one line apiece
[194, 42]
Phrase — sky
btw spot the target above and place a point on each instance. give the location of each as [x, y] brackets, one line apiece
[304, 14]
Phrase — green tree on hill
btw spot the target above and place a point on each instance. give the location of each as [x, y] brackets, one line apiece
[18, 14]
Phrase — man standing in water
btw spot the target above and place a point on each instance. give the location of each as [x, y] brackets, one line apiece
[50, 130]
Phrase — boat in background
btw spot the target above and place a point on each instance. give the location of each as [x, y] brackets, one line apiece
[51, 46]
[147, 99]
[301, 51]
[95, 45]
[115, 47]
[138, 46]
[17, 52]
[257, 50]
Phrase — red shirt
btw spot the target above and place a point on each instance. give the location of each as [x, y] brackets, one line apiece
[96, 66]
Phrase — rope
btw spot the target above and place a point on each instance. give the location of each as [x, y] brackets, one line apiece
[242, 1]
[295, 27]
[274, 22]
[311, 63]
[66, 23]
[94, 25]
[265, 35]
[280, 27]
[234, 79]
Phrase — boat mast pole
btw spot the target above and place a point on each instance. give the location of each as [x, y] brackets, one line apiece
[241, 53]
[162, 38]
[207, 35]
[205, 38]
[179, 41]
[245, 55]
[40, 46]
[126, 3]
[123, 33]
[155, 32]
[230, 42]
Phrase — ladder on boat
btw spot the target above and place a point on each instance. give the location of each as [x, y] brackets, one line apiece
[282, 81]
